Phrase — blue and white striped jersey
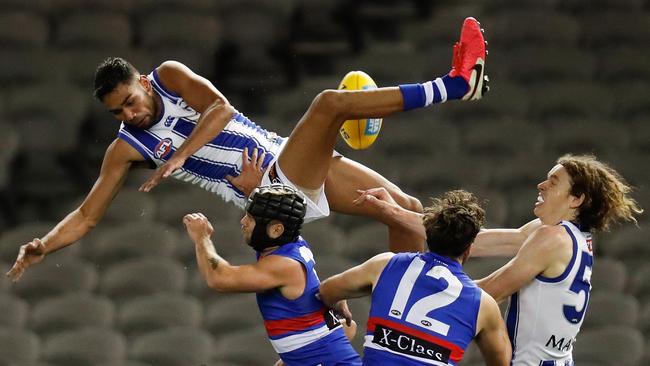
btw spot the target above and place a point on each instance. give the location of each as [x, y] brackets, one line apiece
[209, 166]
[545, 316]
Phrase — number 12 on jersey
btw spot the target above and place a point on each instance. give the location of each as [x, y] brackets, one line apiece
[417, 314]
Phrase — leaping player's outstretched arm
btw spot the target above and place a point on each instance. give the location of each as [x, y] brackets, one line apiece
[117, 161]
[199, 93]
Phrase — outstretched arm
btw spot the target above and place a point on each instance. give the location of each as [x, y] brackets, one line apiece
[502, 242]
[268, 273]
[199, 93]
[117, 161]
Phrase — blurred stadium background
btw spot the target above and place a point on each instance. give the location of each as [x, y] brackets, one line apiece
[566, 76]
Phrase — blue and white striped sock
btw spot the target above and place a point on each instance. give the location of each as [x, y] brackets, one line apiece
[437, 91]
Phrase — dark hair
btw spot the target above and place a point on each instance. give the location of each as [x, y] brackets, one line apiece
[607, 198]
[110, 73]
[452, 223]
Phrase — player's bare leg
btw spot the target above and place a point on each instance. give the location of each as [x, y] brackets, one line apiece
[345, 175]
[307, 156]
[305, 159]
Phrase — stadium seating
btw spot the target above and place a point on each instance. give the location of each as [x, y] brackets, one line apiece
[607, 28]
[365, 242]
[550, 64]
[485, 138]
[611, 308]
[13, 312]
[623, 64]
[235, 347]
[85, 347]
[71, 311]
[426, 132]
[87, 30]
[173, 29]
[173, 347]
[512, 27]
[229, 312]
[625, 342]
[18, 346]
[556, 101]
[29, 66]
[137, 240]
[138, 277]
[124, 363]
[34, 30]
[163, 310]
[610, 275]
[63, 7]
[8, 154]
[54, 277]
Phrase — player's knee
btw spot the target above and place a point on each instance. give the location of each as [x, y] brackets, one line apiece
[329, 101]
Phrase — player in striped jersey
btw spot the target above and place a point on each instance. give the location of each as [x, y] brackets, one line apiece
[424, 309]
[301, 329]
[549, 279]
[178, 121]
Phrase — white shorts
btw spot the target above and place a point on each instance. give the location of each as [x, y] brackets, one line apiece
[315, 210]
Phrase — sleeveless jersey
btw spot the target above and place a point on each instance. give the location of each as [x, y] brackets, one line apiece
[424, 312]
[303, 331]
[209, 166]
[544, 317]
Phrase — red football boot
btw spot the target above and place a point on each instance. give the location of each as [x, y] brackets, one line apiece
[469, 59]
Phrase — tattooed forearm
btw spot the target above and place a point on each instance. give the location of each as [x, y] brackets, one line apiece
[214, 263]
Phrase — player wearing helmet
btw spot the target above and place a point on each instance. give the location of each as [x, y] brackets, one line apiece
[301, 329]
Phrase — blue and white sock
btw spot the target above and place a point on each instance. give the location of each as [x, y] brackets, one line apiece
[437, 91]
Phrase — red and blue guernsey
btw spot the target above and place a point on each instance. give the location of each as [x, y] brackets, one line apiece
[303, 331]
[424, 311]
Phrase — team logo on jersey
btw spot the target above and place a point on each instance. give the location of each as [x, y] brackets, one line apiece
[409, 344]
[169, 121]
[331, 319]
[163, 148]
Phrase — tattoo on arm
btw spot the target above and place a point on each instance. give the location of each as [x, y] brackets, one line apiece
[214, 263]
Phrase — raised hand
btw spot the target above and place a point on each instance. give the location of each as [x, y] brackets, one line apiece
[377, 197]
[252, 171]
[29, 254]
[198, 226]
